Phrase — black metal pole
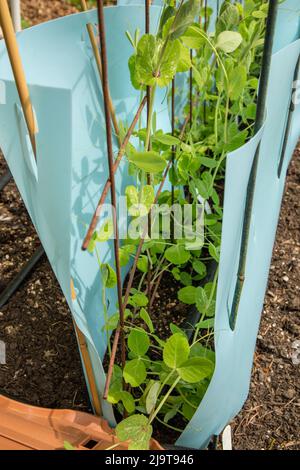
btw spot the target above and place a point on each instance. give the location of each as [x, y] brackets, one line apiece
[260, 116]
[5, 179]
[21, 276]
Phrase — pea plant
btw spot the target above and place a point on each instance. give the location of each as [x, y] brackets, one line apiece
[164, 379]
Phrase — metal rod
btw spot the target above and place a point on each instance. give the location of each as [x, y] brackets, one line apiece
[5, 179]
[289, 119]
[14, 285]
[107, 185]
[111, 171]
[96, 52]
[18, 71]
[260, 115]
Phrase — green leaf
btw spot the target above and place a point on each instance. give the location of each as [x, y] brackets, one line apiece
[124, 256]
[185, 62]
[237, 141]
[176, 273]
[228, 41]
[214, 252]
[106, 231]
[152, 397]
[176, 351]
[177, 254]
[108, 275]
[200, 268]
[139, 299]
[188, 411]
[195, 369]
[132, 196]
[171, 413]
[147, 196]
[116, 395]
[166, 139]
[175, 329]
[237, 79]
[193, 38]
[190, 294]
[228, 17]
[142, 263]
[208, 162]
[138, 342]
[184, 18]
[205, 185]
[144, 315]
[92, 243]
[128, 401]
[137, 430]
[151, 162]
[133, 73]
[186, 279]
[197, 350]
[206, 324]
[153, 65]
[135, 372]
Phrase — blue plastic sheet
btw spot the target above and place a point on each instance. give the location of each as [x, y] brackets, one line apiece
[62, 189]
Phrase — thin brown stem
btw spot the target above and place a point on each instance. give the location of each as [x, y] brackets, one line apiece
[149, 117]
[157, 284]
[107, 185]
[173, 151]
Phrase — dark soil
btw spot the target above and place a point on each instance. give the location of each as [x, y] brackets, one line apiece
[43, 365]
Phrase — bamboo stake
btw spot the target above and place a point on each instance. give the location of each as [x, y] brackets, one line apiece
[89, 371]
[18, 71]
[95, 48]
[111, 172]
[260, 116]
[87, 362]
[107, 186]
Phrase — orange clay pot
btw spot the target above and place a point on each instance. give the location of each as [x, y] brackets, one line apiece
[24, 427]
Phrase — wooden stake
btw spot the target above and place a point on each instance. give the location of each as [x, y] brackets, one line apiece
[95, 48]
[87, 362]
[18, 71]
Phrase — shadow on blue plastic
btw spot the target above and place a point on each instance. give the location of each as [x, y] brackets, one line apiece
[28, 153]
[72, 170]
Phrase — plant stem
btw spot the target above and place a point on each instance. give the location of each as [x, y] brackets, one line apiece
[163, 401]
[212, 293]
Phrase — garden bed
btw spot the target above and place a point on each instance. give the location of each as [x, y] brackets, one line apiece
[39, 316]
